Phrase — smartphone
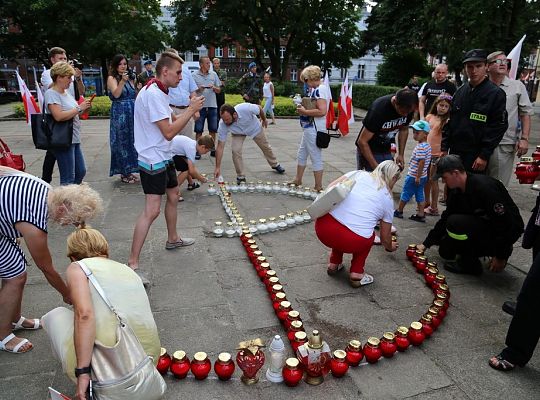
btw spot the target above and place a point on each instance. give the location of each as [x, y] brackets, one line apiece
[92, 97]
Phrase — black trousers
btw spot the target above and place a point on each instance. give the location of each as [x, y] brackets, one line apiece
[220, 99]
[524, 331]
[48, 166]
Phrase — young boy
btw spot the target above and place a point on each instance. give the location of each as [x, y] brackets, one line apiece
[184, 150]
[418, 173]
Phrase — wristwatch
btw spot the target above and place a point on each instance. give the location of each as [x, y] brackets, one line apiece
[78, 108]
[82, 371]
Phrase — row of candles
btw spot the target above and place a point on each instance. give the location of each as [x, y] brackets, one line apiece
[313, 356]
[268, 187]
[235, 227]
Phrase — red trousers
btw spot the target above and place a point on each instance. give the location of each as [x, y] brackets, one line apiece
[342, 240]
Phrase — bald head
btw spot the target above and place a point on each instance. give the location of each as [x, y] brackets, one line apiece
[441, 72]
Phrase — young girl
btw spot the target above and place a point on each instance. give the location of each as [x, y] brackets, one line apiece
[438, 117]
[268, 94]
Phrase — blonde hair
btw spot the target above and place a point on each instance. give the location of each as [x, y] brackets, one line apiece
[385, 172]
[206, 141]
[61, 68]
[311, 73]
[86, 242]
[81, 204]
[167, 59]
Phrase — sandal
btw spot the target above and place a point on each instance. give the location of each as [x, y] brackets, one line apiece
[335, 270]
[431, 211]
[193, 186]
[366, 280]
[417, 218]
[128, 179]
[500, 364]
[19, 324]
[17, 348]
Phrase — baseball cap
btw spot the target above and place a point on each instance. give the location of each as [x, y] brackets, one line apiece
[475, 55]
[252, 64]
[421, 125]
[148, 62]
[448, 163]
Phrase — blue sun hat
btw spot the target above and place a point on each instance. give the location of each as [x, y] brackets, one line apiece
[252, 64]
[421, 125]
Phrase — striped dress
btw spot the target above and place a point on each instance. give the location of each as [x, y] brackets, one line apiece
[22, 199]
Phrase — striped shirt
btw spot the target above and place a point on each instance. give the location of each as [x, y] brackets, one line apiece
[422, 151]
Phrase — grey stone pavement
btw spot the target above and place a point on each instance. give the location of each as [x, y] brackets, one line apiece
[208, 298]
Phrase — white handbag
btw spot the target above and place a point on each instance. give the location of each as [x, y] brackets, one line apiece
[331, 197]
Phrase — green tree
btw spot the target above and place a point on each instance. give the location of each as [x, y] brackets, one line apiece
[312, 31]
[399, 66]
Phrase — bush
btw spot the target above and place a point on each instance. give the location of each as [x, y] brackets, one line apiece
[364, 95]
[101, 106]
[284, 88]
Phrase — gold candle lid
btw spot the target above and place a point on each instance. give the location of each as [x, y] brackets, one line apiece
[261, 259]
[439, 303]
[292, 362]
[420, 252]
[412, 246]
[270, 273]
[290, 214]
[442, 296]
[200, 356]
[340, 354]
[433, 270]
[422, 258]
[432, 264]
[257, 253]
[274, 280]
[162, 352]
[296, 324]
[427, 318]
[179, 355]
[224, 357]
[294, 314]
[246, 233]
[356, 344]
[526, 159]
[433, 310]
[262, 220]
[218, 223]
[389, 336]
[280, 296]
[373, 341]
[272, 219]
[443, 287]
[277, 288]
[300, 336]
[251, 241]
[403, 330]
[315, 340]
[285, 304]
[416, 325]
[440, 277]
[254, 247]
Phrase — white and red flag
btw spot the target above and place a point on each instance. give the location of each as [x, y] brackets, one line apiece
[345, 111]
[513, 56]
[330, 114]
[30, 105]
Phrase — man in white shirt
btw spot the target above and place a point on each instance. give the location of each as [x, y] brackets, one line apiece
[242, 121]
[154, 127]
[57, 54]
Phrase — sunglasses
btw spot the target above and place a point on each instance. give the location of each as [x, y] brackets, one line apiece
[499, 62]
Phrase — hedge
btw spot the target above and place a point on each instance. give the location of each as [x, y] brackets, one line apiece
[364, 95]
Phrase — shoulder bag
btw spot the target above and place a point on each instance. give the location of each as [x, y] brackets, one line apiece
[331, 197]
[8, 159]
[123, 371]
[323, 138]
[49, 134]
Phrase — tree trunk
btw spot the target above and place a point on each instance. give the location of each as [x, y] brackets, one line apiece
[104, 73]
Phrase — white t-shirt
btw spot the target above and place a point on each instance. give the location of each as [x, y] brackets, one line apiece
[151, 106]
[46, 81]
[266, 89]
[365, 205]
[184, 146]
[321, 92]
[247, 123]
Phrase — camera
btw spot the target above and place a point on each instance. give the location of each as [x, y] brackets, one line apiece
[131, 74]
[76, 64]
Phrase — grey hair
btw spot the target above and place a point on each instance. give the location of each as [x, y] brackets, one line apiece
[385, 172]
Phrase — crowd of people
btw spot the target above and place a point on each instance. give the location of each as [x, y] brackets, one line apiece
[467, 137]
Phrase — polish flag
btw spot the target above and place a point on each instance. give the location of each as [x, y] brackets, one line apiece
[40, 91]
[30, 105]
[513, 56]
[56, 395]
[345, 115]
[350, 111]
[330, 114]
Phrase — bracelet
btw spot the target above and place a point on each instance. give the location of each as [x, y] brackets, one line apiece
[79, 110]
[82, 371]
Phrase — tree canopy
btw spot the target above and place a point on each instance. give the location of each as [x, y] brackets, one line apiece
[312, 31]
[399, 66]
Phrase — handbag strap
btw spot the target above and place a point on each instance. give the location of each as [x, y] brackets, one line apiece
[98, 288]
[5, 146]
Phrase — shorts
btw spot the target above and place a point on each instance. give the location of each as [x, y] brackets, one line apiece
[180, 163]
[410, 188]
[210, 114]
[159, 180]
[12, 261]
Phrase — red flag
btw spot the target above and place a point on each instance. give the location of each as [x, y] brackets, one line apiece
[343, 117]
[350, 111]
[30, 105]
[330, 114]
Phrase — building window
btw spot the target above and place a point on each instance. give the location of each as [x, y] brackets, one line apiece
[282, 52]
[294, 75]
[196, 55]
[250, 53]
[218, 52]
[361, 71]
[231, 52]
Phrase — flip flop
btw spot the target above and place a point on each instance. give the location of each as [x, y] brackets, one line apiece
[366, 280]
[431, 211]
[17, 347]
[500, 364]
[19, 324]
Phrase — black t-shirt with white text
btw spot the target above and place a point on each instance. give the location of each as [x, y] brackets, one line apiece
[383, 120]
[432, 90]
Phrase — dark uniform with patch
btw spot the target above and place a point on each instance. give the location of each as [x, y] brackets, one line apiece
[481, 221]
[478, 121]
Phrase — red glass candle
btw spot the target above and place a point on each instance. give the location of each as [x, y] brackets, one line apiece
[416, 336]
[291, 316]
[275, 289]
[248, 243]
[417, 253]
[435, 320]
[443, 288]
[443, 298]
[164, 361]
[292, 372]
[427, 326]
[439, 280]
[372, 351]
[200, 366]
[269, 274]
[338, 364]
[283, 311]
[245, 237]
[429, 275]
[354, 353]
[271, 283]
[224, 366]
[250, 364]
[180, 364]
[410, 252]
[299, 339]
[420, 264]
[440, 305]
[280, 296]
[527, 170]
[388, 345]
[296, 326]
[402, 338]
[263, 267]
[253, 257]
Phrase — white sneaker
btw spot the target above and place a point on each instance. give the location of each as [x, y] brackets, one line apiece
[179, 243]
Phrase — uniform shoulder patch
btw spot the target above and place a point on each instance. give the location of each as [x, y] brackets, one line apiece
[498, 208]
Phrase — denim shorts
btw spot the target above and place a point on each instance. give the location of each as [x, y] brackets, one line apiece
[410, 189]
[210, 114]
